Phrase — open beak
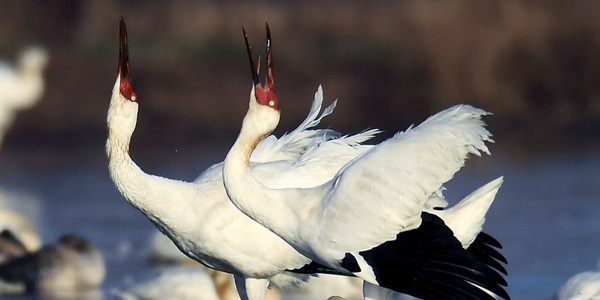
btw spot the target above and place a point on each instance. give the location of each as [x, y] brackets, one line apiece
[269, 84]
[253, 70]
[124, 70]
[269, 80]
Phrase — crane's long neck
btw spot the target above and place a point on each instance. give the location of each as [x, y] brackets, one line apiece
[162, 200]
[269, 207]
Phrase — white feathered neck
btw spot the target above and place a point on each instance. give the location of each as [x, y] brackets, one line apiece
[258, 123]
[152, 195]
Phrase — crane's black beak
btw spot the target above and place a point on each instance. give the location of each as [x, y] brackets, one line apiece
[124, 70]
[269, 84]
[253, 69]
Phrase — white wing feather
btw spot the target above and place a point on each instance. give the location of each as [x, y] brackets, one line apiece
[293, 144]
[307, 157]
[466, 218]
[383, 192]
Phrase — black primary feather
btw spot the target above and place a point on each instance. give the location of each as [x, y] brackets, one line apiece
[430, 263]
[317, 268]
[483, 249]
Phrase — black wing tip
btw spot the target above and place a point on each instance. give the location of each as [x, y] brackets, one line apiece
[488, 239]
[317, 268]
[488, 256]
[485, 249]
[429, 261]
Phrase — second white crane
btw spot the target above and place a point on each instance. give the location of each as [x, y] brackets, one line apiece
[372, 220]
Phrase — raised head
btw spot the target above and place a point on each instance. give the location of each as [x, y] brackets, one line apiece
[124, 72]
[264, 94]
[123, 108]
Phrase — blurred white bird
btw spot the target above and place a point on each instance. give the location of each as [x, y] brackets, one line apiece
[173, 284]
[199, 218]
[10, 246]
[181, 283]
[21, 86]
[372, 220]
[72, 266]
[582, 286]
[324, 286]
[17, 236]
[21, 213]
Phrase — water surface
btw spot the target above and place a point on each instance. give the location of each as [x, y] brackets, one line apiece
[546, 213]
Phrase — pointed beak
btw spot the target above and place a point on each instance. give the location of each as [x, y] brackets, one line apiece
[269, 84]
[264, 94]
[124, 70]
[253, 69]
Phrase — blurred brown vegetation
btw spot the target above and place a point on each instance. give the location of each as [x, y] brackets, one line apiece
[534, 64]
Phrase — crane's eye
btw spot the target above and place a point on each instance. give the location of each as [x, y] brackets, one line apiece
[127, 91]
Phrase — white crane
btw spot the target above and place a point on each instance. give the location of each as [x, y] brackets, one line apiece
[582, 286]
[21, 86]
[71, 267]
[198, 217]
[371, 219]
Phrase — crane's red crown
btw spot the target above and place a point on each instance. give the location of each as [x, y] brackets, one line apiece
[124, 71]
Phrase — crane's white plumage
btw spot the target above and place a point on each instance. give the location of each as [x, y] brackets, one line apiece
[378, 195]
[197, 216]
[410, 166]
[21, 86]
[466, 218]
[351, 221]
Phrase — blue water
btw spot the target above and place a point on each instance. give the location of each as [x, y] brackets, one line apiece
[547, 213]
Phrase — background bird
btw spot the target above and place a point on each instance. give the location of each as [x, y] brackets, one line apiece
[72, 266]
[21, 85]
[16, 234]
[582, 286]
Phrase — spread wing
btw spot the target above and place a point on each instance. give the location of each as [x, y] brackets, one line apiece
[384, 191]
